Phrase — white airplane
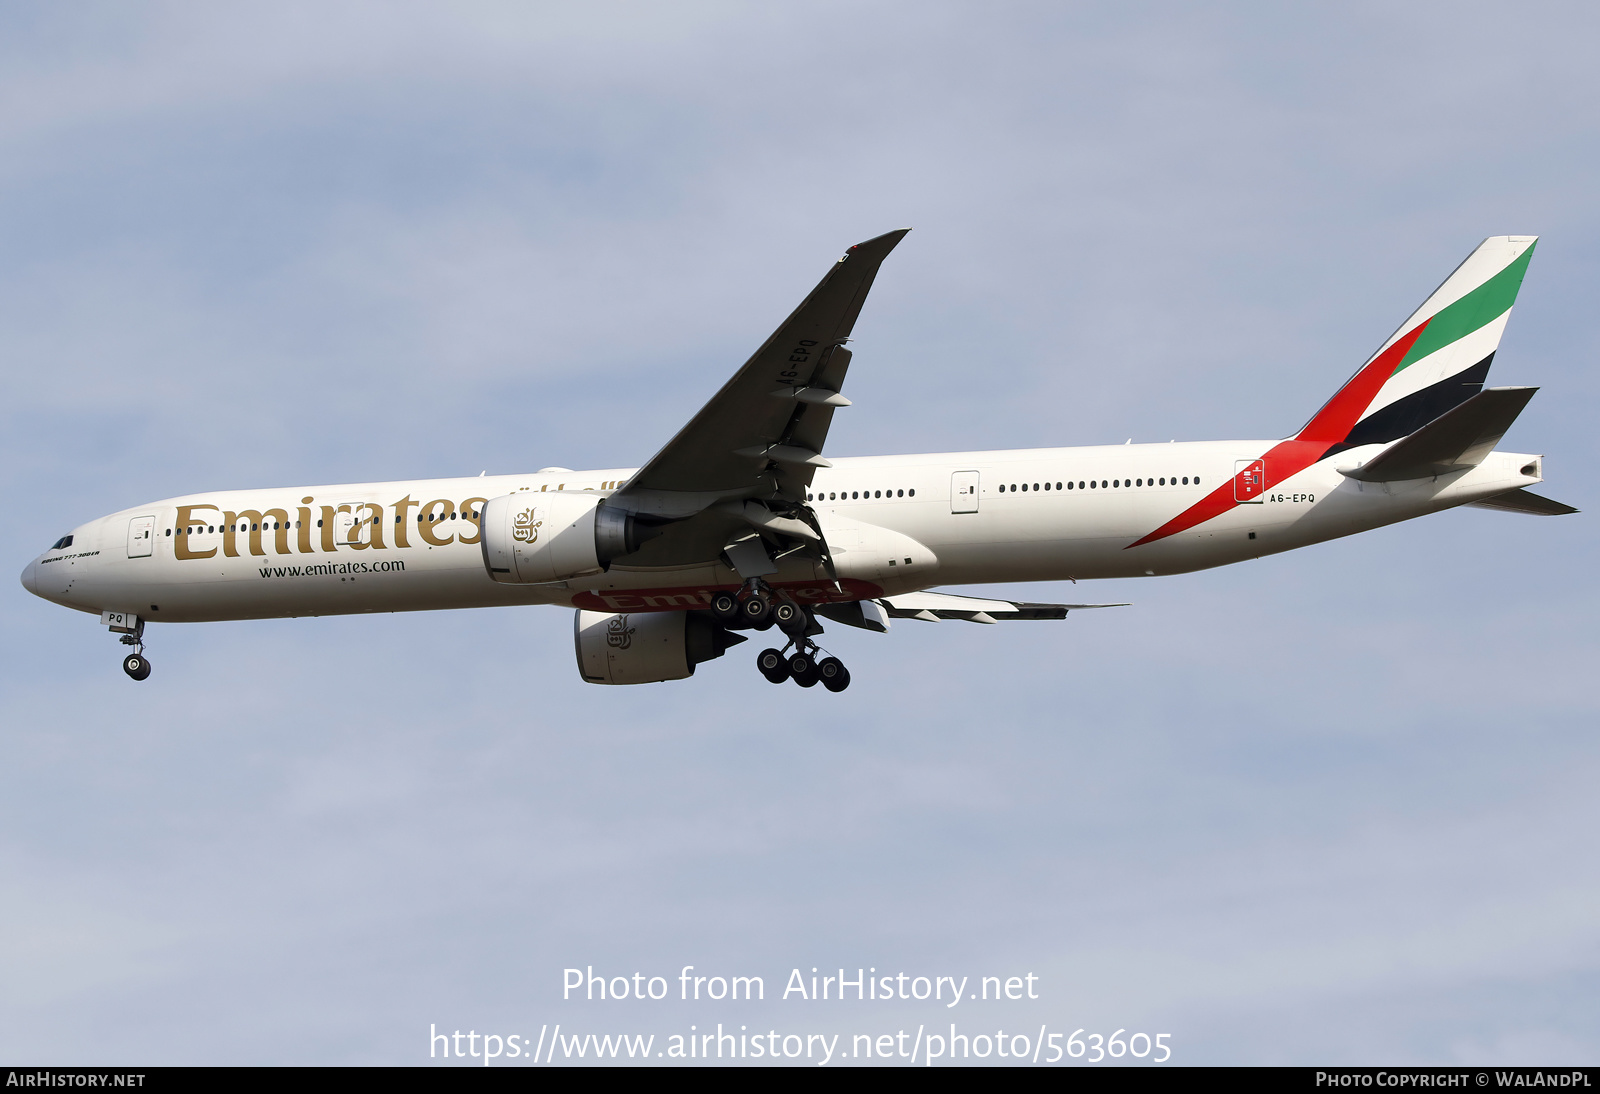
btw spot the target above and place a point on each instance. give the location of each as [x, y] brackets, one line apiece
[740, 524]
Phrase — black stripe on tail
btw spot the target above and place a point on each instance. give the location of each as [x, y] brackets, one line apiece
[1404, 417]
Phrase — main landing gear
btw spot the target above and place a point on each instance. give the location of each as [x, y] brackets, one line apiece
[136, 664]
[803, 667]
[758, 607]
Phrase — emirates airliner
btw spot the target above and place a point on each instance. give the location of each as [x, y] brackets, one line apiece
[740, 524]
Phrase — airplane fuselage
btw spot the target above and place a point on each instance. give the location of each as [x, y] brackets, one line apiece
[893, 524]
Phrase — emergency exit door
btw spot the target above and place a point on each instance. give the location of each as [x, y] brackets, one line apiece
[141, 539]
[352, 524]
[1249, 480]
[964, 492]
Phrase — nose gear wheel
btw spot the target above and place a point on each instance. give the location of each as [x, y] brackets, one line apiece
[136, 664]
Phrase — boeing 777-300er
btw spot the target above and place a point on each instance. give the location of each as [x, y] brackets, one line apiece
[740, 524]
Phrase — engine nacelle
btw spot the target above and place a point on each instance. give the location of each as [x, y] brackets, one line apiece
[646, 647]
[550, 536]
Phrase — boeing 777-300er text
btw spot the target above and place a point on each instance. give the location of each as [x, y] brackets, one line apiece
[740, 524]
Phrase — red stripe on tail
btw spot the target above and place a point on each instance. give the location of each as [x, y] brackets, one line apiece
[1335, 420]
[1330, 426]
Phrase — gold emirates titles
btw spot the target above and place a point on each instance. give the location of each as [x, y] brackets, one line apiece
[366, 529]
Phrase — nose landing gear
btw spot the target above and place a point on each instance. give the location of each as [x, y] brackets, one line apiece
[136, 664]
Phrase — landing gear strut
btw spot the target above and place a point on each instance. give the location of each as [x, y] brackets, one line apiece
[136, 664]
[801, 660]
[757, 606]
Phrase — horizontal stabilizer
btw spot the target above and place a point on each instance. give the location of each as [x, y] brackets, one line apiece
[1523, 501]
[936, 606]
[1454, 441]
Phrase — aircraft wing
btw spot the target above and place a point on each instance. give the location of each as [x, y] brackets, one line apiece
[933, 607]
[738, 472]
[761, 436]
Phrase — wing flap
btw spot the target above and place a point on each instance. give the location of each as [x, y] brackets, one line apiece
[936, 606]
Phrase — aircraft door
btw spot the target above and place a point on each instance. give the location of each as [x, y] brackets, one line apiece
[964, 492]
[1249, 479]
[141, 536]
[343, 522]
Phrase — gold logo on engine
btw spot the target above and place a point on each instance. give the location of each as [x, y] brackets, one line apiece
[618, 634]
[524, 528]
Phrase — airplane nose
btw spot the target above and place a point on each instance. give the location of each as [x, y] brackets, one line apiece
[28, 575]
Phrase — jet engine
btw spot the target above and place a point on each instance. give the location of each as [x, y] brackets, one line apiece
[549, 536]
[646, 647]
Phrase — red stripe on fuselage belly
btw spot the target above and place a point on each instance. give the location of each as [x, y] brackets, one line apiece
[695, 597]
[1331, 425]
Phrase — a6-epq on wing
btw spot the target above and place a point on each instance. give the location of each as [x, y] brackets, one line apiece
[743, 463]
[761, 436]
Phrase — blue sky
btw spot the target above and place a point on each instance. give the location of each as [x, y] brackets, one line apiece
[1330, 807]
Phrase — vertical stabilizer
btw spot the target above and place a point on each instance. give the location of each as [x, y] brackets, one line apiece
[1437, 359]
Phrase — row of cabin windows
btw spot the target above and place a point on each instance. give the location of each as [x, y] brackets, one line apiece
[609, 484]
[1104, 484]
[269, 527]
[1091, 484]
[857, 495]
[276, 526]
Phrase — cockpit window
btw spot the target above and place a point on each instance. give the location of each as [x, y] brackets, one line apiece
[64, 541]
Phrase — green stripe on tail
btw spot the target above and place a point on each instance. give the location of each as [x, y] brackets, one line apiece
[1478, 308]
